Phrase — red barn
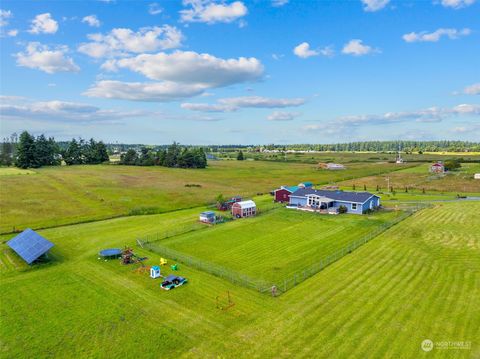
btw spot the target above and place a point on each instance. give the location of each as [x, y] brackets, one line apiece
[244, 209]
[282, 194]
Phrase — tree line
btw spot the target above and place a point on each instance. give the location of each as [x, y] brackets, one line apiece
[28, 151]
[173, 156]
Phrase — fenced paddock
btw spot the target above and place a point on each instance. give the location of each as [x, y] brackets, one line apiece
[281, 259]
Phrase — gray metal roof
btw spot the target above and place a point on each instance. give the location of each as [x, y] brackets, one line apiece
[29, 245]
[356, 197]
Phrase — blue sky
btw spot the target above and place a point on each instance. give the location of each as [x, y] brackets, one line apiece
[251, 72]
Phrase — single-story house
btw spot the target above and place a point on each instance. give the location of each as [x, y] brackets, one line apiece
[244, 209]
[330, 201]
[437, 167]
[207, 217]
[283, 193]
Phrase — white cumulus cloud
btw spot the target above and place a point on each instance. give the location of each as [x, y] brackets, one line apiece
[122, 41]
[12, 33]
[91, 20]
[472, 89]
[140, 91]
[5, 15]
[279, 3]
[154, 9]
[49, 60]
[61, 111]
[43, 24]
[435, 36]
[192, 67]
[303, 50]
[210, 12]
[282, 116]
[374, 5]
[457, 4]
[234, 103]
[356, 47]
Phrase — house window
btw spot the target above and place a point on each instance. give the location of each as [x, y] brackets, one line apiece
[354, 206]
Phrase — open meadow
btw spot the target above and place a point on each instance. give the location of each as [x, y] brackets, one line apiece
[382, 300]
[419, 178]
[64, 195]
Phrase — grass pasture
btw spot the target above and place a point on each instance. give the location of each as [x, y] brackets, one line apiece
[419, 178]
[274, 246]
[408, 284]
[65, 195]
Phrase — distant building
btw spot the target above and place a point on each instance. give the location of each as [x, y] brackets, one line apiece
[244, 209]
[331, 166]
[476, 176]
[330, 201]
[437, 167]
[335, 166]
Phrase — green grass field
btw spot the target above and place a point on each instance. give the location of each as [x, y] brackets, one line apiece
[419, 279]
[274, 246]
[64, 195]
[419, 178]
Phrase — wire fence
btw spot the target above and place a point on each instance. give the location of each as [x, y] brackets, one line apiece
[153, 243]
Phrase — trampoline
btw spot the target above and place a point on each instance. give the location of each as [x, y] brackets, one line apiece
[110, 253]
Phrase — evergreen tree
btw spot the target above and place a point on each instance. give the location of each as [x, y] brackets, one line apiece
[200, 158]
[240, 156]
[26, 151]
[74, 153]
[129, 158]
[46, 151]
[6, 153]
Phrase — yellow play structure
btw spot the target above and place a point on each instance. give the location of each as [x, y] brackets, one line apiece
[163, 261]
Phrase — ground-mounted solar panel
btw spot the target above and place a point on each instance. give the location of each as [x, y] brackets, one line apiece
[30, 245]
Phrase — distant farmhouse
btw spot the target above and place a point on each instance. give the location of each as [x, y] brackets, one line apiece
[476, 176]
[437, 167]
[283, 193]
[331, 166]
[324, 201]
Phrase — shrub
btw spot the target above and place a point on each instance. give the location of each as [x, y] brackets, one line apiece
[342, 209]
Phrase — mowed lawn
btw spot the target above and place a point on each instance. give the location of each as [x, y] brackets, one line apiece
[275, 245]
[418, 280]
[65, 195]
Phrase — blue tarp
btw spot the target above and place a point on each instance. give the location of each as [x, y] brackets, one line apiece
[29, 245]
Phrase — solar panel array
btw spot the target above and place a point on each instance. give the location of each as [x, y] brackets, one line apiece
[29, 245]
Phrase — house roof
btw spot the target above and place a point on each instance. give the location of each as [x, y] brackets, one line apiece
[29, 245]
[290, 189]
[246, 204]
[356, 197]
[438, 165]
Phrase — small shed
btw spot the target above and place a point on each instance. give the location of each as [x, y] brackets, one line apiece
[207, 217]
[30, 245]
[155, 272]
[476, 176]
[244, 209]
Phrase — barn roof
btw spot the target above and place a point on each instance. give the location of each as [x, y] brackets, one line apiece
[29, 245]
[356, 197]
[246, 204]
